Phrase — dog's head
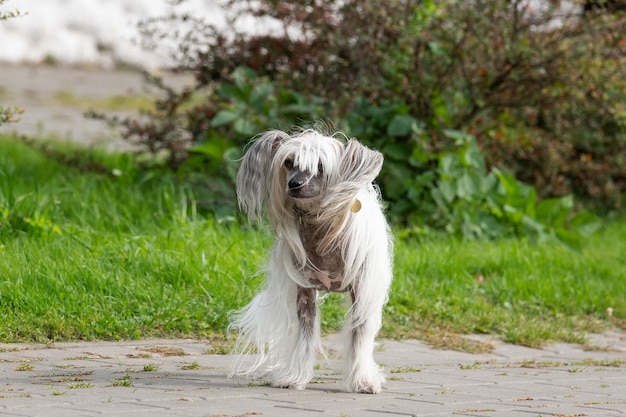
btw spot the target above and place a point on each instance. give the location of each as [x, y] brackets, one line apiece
[280, 172]
[304, 166]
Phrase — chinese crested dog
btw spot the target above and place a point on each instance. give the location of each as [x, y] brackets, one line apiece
[331, 236]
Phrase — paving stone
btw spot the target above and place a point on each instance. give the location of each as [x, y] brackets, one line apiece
[89, 379]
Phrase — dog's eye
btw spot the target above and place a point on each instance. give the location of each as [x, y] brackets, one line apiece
[288, 163]
[320, 169]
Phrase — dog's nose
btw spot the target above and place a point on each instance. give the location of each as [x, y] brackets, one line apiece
[295, 183]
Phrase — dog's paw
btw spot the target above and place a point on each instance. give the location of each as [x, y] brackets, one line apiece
[368, 387]
[287, 385]
[366, 384]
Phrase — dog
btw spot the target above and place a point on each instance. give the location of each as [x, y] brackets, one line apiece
[318, 194]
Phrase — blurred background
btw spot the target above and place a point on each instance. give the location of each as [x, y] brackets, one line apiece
[471, 103]
[502, 123]
[89, 32]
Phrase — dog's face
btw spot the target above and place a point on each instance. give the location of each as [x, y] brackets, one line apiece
[302, 183]
[305, 165]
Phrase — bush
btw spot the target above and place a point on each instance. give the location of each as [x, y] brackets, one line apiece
[540, 90]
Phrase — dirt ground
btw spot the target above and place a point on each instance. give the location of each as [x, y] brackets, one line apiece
[36, 90]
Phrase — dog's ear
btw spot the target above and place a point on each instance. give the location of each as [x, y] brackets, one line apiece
[359, 164]
[358, 167]
[253, 177]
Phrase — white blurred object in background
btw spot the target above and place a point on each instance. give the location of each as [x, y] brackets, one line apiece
[96, 32]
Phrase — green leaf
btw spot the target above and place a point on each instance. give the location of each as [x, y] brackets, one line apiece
[585, 223]
[260, 94]
[474, 158]
[397, 174]
[554, 211]
[513, 214]
[242, 76]
[414, 194]
[534, 225]
[440, 200]
[510, 186]
[531, 202]
[426, 179]
[467, 186]
[449, 164]
[227, 91]
[436, 49]
[440, 109]
[396, 151]
[401, 125]
[213, 148]
[448, 190]
[245, 127]
[459, 137]
[488, 183]
[223, 117]
[569, 238]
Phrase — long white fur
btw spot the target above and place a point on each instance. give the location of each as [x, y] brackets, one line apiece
[268, 326]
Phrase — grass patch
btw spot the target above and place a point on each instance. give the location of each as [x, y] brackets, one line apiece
[25, 367]
[166, 351]
[87, 256]
[191, 367]
[530, 294]
[441, 339]
[125, 381]
[616, 363]
[81, 385]
[404, 370]
[150, 367]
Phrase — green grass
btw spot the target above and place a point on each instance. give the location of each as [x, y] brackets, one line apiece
[528, 293]
[125, 381]
[87, 256]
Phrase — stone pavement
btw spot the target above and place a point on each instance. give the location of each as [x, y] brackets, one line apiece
[183, 378]
[54, 98]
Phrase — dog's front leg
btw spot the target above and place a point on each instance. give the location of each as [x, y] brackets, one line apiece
[363, 374]
[298, 370]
